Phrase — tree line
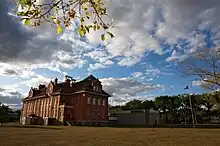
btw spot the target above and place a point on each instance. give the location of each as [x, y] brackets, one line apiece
[8, 115]
[179, 109]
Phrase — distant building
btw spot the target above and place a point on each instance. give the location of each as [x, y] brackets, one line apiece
[136, 117]
[82, 102]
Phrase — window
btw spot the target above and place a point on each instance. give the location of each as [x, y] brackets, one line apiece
[89, 100]
[103, 102]
[103, 115]
[88, 113]
[93, 101]
[96, 88]
[99, 102]
[93, 115]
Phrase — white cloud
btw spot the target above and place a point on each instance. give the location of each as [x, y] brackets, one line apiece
[142, 26]
[11, 97]
[201, 84]
[126, 88]
[101, 57]
[137, 74]
[36, 80]
[96, 66]
[151, 71]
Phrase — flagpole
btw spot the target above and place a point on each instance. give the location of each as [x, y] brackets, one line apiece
[190, 102]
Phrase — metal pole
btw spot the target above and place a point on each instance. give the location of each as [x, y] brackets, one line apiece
[190, 102]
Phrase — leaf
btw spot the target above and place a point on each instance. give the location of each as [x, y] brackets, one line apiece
[87, 28]
[59, 29]
[81, 19]
[103, 37]
[55, 10]
[111, 35]
[105, 27]
[52, 17]
[94, 27]
[81, 32]
[23, 2]
[84, 7]
[88, 14]
[27, 22]
[20, 14]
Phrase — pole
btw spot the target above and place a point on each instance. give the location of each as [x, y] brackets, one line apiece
[190, 102]
[195, 117]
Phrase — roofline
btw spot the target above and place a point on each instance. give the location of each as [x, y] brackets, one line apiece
[60, 93]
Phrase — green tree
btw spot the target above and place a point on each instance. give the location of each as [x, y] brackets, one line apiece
[91, 14]
[134, 104]
[4, 113]
[208, 102]
[162, 105]
[148, 104]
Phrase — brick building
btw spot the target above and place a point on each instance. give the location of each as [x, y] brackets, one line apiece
[80, 102]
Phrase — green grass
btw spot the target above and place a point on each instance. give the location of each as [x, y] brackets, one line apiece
[105, 136]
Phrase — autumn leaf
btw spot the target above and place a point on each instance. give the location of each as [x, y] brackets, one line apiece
[93, 10]
[81, 31]
[59, 29]
[111, 35]
[84, 7]
[103, 37]
[27, 22]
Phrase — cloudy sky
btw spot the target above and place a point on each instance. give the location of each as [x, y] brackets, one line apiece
[139, 62]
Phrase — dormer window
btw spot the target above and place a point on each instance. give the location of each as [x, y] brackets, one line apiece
[96, 88]
[96, 85]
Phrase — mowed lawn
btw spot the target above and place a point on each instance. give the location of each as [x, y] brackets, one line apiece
[103, 136]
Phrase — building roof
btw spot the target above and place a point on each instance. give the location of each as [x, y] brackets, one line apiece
[136, 111]
[68, 87]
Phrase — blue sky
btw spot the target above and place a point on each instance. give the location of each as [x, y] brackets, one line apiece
[140, 62]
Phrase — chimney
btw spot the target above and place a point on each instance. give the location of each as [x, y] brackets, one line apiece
[55, 81]
[71, 84]
[41, 86]
[67, 81]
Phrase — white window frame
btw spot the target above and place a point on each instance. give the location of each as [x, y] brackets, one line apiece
[99, 101]
[103, 102]
[89, 100]
[93, 101]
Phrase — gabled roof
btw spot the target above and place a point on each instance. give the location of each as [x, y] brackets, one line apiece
[83, 85]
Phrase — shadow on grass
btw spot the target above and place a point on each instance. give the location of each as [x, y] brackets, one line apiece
[200, 126]
[32, 126]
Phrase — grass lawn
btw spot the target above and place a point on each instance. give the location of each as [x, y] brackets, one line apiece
[103, 136]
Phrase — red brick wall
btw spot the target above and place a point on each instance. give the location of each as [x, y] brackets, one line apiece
[81, 107]
[93, 111]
